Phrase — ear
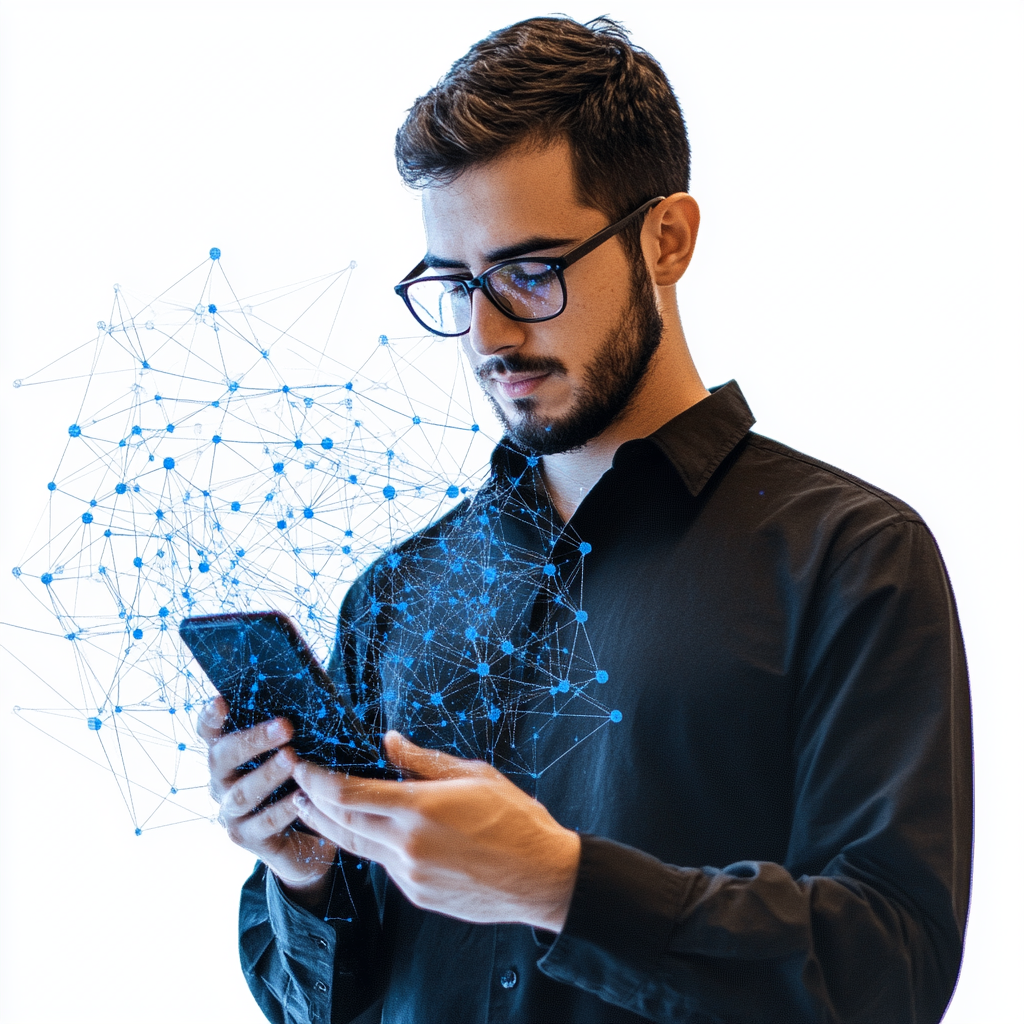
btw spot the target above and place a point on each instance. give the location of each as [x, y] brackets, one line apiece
[669, 236]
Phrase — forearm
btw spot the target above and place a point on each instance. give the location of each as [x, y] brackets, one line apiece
[750, 943]
[304, 967]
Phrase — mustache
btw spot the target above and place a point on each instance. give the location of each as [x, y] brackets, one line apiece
[516, 363]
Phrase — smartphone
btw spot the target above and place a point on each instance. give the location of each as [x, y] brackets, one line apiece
[262, 666]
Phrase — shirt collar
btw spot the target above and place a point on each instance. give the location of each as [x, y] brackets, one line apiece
[696, 441]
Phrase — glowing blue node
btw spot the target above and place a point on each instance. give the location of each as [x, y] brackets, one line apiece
[211, 308]
[149, 325]
[383, 339]
[75, 430]
[137, 633]
[278, 467]
[327, 444]
[216, 439]
[163, 613]
[216, 404]
[233, 386]
[170, 428]
[389, 492]
[281, 524]
[452, 492]
[269, 497]
[563, 685]
[69, 636]
[181, 746]
[507, 647]
[298, 443]
[93, 503]
[215, 253]
[581, 616]
[381, 763]
[136, 430]
[95, 724]
[159, 513]
[601, 676]
[585, 548]
[435, 698]
[137, 562]
[108, 533]
[416, 419]
[168, 463]
[553, 691]
[308, 513]
[86, 517]
[51, 486]
[16, 571]
[145, 364]
[204, 566]
[138, 831]
[346, 550]
[616, 716]
[236, 506]
[549, 570]
[120, 488]
[117, 708]
[101, 325]
[483, 669]
[353, 479]
[475, 427]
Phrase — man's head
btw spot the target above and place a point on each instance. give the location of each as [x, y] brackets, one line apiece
[544, 133]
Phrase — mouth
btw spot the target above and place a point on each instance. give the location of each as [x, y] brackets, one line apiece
[519, 385]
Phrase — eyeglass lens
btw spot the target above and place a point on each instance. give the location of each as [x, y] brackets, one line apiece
[527, 289]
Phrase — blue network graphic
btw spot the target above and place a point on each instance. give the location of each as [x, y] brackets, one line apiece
[230, 454]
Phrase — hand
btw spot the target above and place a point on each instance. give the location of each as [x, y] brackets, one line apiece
[460, 838]
[301, 861]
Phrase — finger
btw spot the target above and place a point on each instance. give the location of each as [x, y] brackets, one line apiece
[336, 790]
[356, 843]
[234, 749]
[255, 786]
[254, 832]
[211, 720]
[425, 763]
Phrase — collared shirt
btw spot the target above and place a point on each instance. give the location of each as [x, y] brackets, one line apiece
[738, 673]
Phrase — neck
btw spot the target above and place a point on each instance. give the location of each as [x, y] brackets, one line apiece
[670, 386]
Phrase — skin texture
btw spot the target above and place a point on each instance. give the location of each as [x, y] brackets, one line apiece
[460, 838]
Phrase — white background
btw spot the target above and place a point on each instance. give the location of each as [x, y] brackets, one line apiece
[858, 271]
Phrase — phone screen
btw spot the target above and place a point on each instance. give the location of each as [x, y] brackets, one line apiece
[262, 666]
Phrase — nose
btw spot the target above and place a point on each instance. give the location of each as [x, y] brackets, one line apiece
[491, 332]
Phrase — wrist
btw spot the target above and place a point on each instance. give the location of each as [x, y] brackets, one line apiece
[311, 892]
[565, 864]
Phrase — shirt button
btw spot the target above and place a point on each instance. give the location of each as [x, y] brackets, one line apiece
[509, 979]
[322, 943]
[320, 987]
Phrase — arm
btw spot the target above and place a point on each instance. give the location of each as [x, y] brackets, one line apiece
[306, 968]
[865, 920]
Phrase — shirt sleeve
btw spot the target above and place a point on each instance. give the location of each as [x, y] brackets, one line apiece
[304, 969]
[865, 920]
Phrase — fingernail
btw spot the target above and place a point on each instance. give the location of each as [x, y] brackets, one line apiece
[277, 730]
[301, 800]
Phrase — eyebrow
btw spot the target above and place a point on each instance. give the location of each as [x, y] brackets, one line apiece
[508, 252]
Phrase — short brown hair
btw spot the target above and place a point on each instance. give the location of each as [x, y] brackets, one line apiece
[553, 78]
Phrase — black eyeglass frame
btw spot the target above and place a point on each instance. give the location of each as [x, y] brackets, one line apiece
[557, 263]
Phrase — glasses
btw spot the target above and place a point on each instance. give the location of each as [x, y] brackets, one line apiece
[526, 290]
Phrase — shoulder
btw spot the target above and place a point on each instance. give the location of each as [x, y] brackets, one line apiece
[813, 516]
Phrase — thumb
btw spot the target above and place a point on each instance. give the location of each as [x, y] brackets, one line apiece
[426, 764]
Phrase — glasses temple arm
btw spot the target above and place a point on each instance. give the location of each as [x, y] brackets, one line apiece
[591, 244]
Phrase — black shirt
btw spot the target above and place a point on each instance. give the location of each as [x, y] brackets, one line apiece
[760, 726]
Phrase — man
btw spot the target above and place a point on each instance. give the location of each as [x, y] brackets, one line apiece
[682, 713]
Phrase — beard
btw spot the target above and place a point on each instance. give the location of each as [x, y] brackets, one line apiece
[610, 380]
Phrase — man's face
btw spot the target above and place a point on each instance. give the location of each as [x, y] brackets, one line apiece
[557, 384]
